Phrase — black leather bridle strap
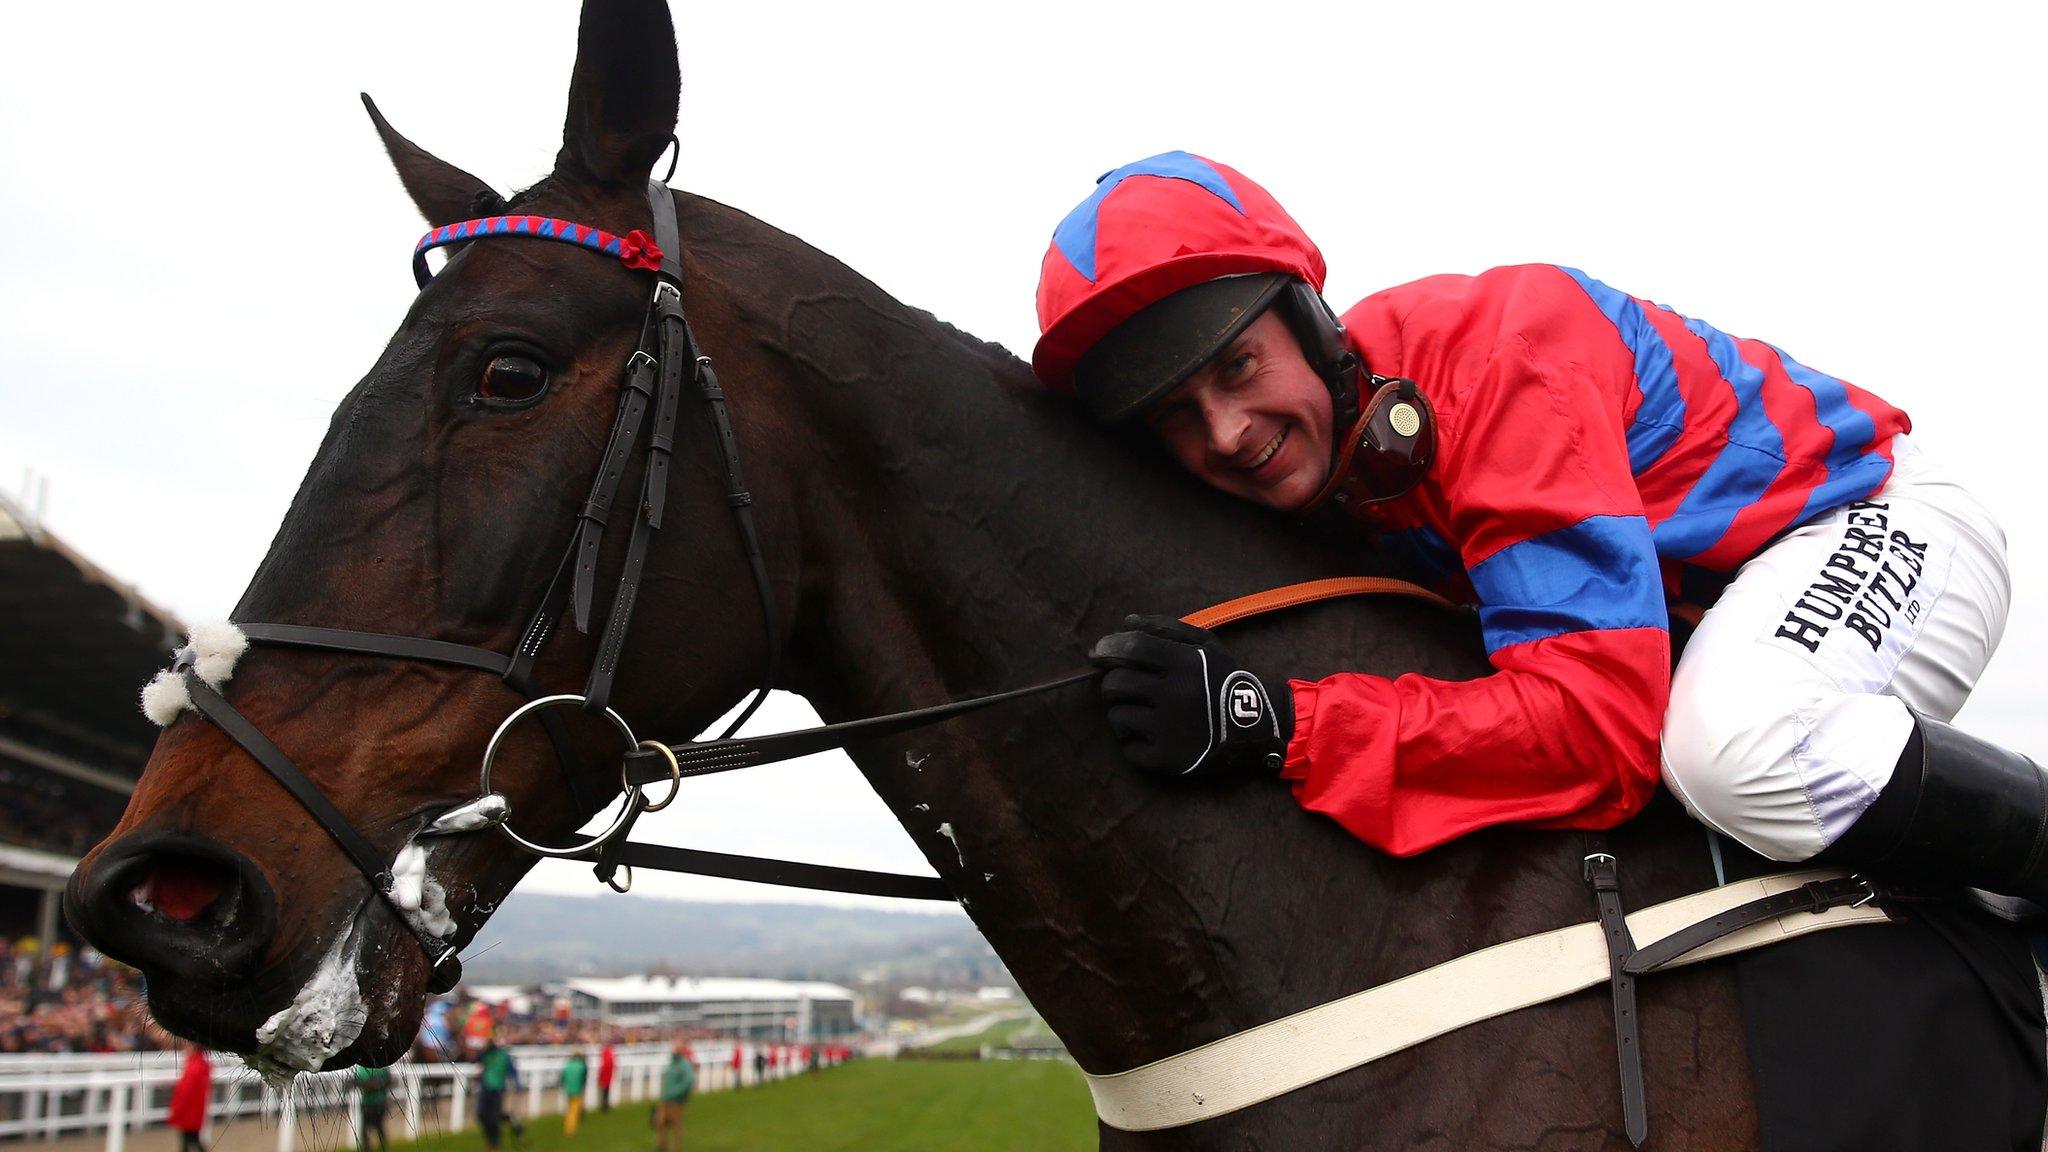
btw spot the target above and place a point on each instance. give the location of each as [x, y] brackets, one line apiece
[357, 847]
[354, 844]
[642, 373]
[742, 503]
[378, 644]
[667, 317]
[545, 617]
[790, 873]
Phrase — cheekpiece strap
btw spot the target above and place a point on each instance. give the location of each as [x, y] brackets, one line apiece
[636, 249]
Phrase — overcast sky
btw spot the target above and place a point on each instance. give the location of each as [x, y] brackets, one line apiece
[205, 248]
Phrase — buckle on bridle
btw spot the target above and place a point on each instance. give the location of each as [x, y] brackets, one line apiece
[615, 886]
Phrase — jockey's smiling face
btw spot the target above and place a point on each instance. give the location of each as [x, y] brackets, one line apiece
[1255, 421]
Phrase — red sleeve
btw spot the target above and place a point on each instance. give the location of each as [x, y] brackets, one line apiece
[189, 1097]
[1539, 503]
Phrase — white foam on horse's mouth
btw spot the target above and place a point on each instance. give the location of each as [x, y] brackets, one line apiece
[326, 1016]
[421, 897]
[329, 1012]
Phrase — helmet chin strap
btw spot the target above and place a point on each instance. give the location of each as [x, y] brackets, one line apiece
[1383, 453]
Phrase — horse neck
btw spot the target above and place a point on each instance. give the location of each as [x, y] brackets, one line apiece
[962, 535]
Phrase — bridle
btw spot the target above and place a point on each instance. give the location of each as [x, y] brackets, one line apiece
[654, 377]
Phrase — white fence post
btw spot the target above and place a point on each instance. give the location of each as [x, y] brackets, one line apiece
[458, 1109]
[287, 1119]
[117, 1117]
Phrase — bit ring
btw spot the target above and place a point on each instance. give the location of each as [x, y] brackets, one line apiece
[491, 754]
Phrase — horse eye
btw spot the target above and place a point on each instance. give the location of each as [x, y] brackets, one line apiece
[512, 380]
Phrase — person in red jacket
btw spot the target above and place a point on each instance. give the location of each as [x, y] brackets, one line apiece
[191, 1098]
[607, 1071]
[1571, 460]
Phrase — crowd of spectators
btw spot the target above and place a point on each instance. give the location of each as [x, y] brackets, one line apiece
[61, 1000]
[457, 1028]
[69, 1001]
[518, 1032]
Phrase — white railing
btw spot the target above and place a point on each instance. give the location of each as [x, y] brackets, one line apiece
[44, 1097]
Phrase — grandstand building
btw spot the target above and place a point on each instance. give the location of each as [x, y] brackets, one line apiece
[732, 1006]
[75, 646]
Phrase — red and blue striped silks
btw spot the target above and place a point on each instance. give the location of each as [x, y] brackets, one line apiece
[1589, 442]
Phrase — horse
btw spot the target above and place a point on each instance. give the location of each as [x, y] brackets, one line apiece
[933, 526]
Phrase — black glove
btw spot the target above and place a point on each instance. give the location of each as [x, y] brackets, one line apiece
[1181, 705]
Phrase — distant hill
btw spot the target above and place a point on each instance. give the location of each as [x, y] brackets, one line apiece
[536, 936]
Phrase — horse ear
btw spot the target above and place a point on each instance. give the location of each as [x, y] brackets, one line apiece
[623, 94]
[443, 192]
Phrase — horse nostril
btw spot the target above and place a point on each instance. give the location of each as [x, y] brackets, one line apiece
[181, 888]
[175, 903]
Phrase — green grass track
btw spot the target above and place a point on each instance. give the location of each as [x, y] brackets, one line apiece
[869, 1105]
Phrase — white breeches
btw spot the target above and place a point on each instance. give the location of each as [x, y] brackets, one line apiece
[1788, 708]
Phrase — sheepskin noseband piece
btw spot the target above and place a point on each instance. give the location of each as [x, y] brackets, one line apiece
[636, 249]
[209, 653]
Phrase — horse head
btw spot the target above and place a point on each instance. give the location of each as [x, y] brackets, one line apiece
[436, 508]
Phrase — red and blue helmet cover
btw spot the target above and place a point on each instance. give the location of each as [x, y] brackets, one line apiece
[1150, 229]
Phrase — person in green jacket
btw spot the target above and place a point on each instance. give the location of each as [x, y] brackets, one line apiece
[495, 1073]
[373, 1093]
[575, 1072]
[678, 1080]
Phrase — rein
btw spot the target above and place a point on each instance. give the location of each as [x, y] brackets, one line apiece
[650, 397]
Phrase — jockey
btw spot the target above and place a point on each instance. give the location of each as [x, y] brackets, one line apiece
[1573, 461]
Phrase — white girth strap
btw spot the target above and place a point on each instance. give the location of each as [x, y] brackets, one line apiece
[1275, 1058]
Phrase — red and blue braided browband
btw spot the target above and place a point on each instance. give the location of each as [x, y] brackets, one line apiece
[636, 249]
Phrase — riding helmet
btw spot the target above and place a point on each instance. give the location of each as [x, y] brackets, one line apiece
[1167, 261]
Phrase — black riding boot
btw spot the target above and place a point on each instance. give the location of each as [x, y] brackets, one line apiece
[1959, 810]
